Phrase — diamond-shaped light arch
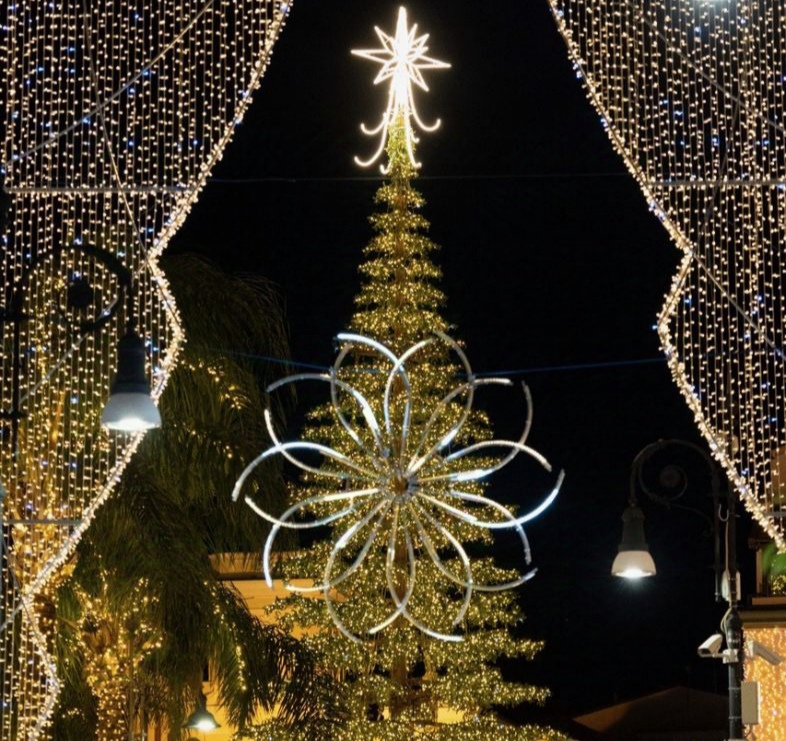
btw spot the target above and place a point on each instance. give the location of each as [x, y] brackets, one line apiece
[692, 94]
[114, 113]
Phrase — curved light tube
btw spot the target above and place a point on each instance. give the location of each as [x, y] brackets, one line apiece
[407, 503]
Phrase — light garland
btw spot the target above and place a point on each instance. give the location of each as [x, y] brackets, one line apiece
[402, 58]
[692, 96]
[401, 487]
[114, 115]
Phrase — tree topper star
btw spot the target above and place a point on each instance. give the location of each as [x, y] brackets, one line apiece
[403, 57]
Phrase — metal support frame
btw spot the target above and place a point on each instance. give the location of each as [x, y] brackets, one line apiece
[15, 315]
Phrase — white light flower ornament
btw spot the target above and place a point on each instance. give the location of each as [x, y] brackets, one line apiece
[400, 490]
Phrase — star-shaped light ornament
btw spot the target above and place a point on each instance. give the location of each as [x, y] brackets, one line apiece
[401, 496]
[402, 58]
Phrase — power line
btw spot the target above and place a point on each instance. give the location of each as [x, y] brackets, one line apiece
[378, 178]
[573, 367]
[500, 373]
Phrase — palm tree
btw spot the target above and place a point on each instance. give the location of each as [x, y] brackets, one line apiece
[143, 612]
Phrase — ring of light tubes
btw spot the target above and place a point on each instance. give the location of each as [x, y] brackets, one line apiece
[399, 485]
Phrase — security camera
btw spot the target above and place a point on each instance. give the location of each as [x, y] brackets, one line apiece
[754, 648]
[711, 647]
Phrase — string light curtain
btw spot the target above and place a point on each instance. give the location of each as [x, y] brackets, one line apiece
[691, 93]
[114, 113]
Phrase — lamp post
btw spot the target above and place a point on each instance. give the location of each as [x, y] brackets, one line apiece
[634, 561]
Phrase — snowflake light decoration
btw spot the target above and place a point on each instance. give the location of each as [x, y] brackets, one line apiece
[403, 57]
[400, 486]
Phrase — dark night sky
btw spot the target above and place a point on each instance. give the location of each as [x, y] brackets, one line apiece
[551, 261]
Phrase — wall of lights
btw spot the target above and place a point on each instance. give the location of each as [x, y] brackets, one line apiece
[114, 113]
[692, 95]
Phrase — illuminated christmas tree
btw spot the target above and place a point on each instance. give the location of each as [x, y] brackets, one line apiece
[429, 673]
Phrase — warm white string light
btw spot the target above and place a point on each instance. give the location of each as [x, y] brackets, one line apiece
[402, 58]
[692, 95]
[771, 679]
[114, 113]
[398, 488]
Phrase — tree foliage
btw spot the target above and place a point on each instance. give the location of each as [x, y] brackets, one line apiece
[143, 612]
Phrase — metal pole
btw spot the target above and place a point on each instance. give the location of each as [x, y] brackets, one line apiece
[734, 644]
[732, 625]
[733, 629]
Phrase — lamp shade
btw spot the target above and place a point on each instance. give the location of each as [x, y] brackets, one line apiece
[633, 560]
[201, 720]
[130, 412]
[130, 408]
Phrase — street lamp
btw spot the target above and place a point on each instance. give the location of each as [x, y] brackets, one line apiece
[130, 407]
[634, 560]
[201, 719]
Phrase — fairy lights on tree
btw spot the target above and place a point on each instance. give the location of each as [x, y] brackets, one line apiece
[115, 644]
[771, 679]
[692, 95]
[394, 466]
[114, 114]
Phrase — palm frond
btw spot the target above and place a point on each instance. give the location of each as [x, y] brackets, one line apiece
[261, 666]
[173, 510]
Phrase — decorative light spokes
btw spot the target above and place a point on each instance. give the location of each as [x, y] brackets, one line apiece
[403, 57]
[399, 485]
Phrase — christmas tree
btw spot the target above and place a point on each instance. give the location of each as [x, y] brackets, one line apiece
[403, 681]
